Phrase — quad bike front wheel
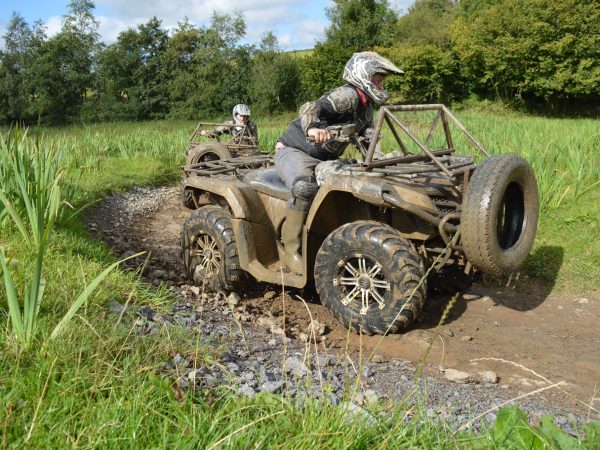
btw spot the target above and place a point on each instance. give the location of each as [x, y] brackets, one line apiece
[204, 152]
[209, 250]
[500, 214]
[370, 277]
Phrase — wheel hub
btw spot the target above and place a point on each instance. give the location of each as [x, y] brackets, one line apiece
[364, 282]
[362, 277]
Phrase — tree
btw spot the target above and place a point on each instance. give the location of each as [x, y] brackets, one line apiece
[60, 75]
[13, 69]
[427, 22]
[132, 74]
[360, 24]
[275, 78]
[519, 50]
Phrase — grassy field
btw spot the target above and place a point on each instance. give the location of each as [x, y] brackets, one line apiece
[99, 384]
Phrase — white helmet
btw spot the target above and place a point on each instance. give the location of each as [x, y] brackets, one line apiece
[242, 110]
[360, 69]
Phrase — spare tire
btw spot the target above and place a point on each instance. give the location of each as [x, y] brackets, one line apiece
[208, 151]
[500, 214]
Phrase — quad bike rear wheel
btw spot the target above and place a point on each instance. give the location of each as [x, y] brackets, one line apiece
[209, 250]
[370, 277]
[199, 153]
[500, 214]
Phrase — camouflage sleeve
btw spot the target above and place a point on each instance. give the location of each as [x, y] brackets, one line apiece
[321, 112]
[253, 130]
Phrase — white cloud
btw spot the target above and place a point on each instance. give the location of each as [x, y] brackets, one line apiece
[280, 16]
[53, 25]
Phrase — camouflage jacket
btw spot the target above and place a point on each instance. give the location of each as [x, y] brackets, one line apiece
[229, 127]
[343, 105]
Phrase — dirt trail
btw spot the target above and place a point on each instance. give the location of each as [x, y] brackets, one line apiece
[525, 333]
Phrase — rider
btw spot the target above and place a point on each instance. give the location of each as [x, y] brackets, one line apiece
[241, 117]
[296, 158]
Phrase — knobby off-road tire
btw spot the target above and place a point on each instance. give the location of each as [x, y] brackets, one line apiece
[209, 250]
[369, 266]
[500, 214]
[204, 152]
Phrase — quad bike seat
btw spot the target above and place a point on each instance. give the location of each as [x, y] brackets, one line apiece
[268, 182]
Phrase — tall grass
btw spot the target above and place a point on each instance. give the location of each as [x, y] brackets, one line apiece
[31, 196]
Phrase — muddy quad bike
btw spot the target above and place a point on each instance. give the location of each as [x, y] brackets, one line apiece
[373, 228]
[205, 145]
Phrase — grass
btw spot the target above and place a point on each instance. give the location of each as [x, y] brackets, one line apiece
[102, 385]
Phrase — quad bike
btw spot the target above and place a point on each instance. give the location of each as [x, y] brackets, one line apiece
[204, 145]
[374, 227]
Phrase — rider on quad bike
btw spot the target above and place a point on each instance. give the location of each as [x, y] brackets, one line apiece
[241, 118]
[307, 141]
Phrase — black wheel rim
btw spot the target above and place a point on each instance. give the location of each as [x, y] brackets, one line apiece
[361, 283]
[511, 216]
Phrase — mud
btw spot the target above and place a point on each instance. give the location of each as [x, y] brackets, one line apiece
[530, 336]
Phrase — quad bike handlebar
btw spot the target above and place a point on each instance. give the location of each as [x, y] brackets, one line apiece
[344, 133]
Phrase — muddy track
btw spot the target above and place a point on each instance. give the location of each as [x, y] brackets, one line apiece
[528, 336]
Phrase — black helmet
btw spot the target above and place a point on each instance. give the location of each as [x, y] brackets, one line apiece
[361, 68]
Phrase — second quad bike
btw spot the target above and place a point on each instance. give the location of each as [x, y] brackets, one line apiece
[374, 228]
[204, 145]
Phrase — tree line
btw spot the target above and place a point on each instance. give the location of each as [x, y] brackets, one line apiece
[523, 52]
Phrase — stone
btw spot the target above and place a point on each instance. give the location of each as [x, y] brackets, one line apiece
[489, 376]
[354, 413]
[371, 397]
[315, 327]
[179, 361]
[457, 376]
[367, 372]
[466, 338]
[246, 391]
[195, 375]
[270, 295]
[233, 300]
[378, 359]
[295, 367]
[272, 387]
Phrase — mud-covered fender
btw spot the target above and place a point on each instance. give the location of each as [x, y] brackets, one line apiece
[243, 201]
[368, 189]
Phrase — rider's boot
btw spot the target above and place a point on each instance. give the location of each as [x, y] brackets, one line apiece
[291, 237]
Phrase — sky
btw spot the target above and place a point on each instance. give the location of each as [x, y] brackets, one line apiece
[298, 24]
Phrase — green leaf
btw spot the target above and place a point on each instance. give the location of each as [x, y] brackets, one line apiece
[511, 430]
[13, 300]
[592, 431]
[556, 436]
